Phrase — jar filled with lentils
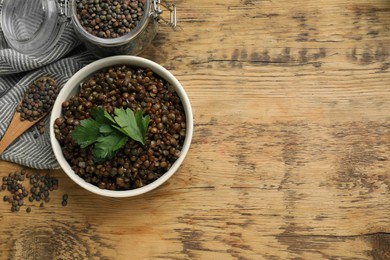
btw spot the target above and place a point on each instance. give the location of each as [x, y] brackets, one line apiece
[135, 164]
[106, 27]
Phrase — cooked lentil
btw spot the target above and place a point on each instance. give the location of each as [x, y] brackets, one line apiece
[135, 165]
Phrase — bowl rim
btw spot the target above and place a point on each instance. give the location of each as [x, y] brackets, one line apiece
[84, 73]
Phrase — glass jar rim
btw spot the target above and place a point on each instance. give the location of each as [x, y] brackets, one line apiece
[47, 33]
[113, 41]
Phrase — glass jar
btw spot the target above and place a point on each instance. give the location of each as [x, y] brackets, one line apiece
[33, 27]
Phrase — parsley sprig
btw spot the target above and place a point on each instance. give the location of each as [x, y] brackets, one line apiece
[108, 134]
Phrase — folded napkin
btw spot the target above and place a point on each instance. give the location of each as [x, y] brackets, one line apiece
[17, 72]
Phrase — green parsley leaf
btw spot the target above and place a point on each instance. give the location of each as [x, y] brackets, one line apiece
[106, 129]
[106, 146]
[109, 117]
[142, 122]
[104, 119]
[107, 134]
[86, 133]
[133, 125]
[102, 115]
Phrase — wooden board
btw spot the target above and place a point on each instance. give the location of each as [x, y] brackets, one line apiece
[290, 157]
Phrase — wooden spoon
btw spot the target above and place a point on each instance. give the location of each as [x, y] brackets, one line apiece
[17, 126]
[15, 129]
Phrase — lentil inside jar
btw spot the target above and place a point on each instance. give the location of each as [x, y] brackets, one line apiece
[134, 165]
[109, 19]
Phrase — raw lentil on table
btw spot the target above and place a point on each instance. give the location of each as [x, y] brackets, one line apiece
[134, 165]
[109, 19]
[40, 188]
[64, 200]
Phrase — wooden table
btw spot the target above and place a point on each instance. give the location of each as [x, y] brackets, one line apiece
[291, 150]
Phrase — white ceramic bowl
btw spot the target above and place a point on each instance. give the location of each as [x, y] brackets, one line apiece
[72, 87]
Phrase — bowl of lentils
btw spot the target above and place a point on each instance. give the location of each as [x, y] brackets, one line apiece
[121, 126]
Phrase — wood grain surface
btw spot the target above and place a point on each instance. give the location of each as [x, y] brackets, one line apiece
[290, 157]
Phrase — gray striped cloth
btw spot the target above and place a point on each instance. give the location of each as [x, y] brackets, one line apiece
[17, 71]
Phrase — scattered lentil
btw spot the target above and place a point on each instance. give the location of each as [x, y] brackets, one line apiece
[41, 127]
[134, 165]
[40, 187]
[109, 19]
[64, 200]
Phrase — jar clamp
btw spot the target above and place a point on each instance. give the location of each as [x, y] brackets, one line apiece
[170, 7]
